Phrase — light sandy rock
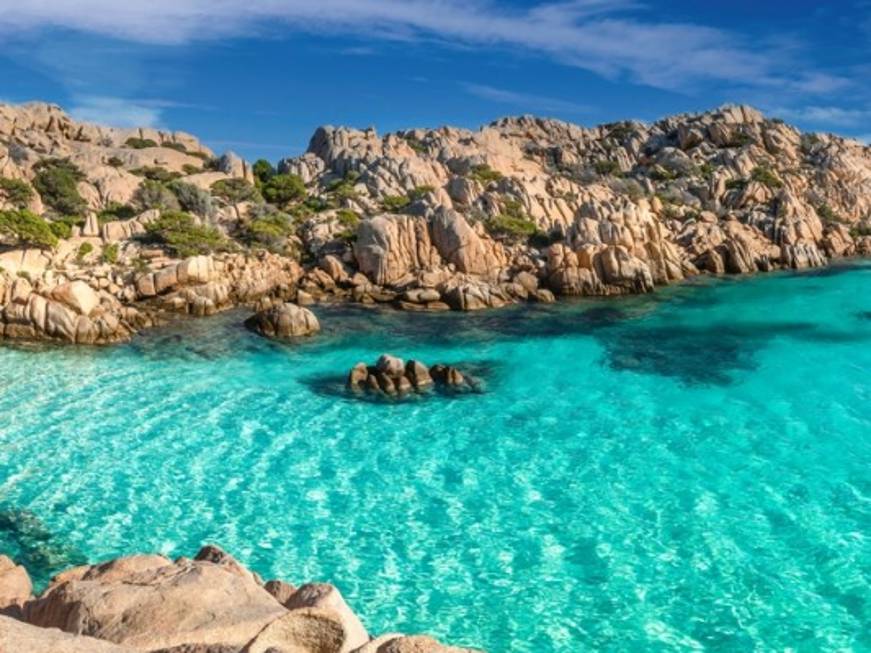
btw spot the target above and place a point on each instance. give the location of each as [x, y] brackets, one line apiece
[19, 637]
[15, 586]
[327, 597]
[285, 320]
[306, 630]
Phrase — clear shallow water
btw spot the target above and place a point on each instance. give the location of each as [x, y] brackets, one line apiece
[684, 471]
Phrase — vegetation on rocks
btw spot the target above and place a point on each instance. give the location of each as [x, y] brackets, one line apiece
[110, 253]
[16, 191]
[263, 171]
[182, 236]
[193, 198]
[235, 191]
[485, 174]
[155, 195]
[269, 230]
[511, 222]
[140, 143]
[766, 176]
[282, 189]
[156, 173]
[26, 228]
[116, 211]
[56, 182]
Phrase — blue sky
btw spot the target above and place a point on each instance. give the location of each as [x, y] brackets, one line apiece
[259, 76]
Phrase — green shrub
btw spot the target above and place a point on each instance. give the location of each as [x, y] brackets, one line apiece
[83, 251]
[270, 230]
[191, 169]
[395, 203]
[349, 220]
[179, 233]
[235, 190]
[511, 222]
[16, 191]
[193, 198]
[140, 143]
[736, 184]
[659, 173]
[283, 189]
[766, 176]
[606, 167]
[263, 170]
[860, 230]
[56, 181]
[485, 174]
[156, 173]
[27, 228]
[116, 211]
[114, 161]
[420, 192]
[178, 147]
[62, 226]
[110, 253]
[828, 215]
[740, 139]
[316, 204]
[620, 131]
[706, 170]
[154, 195]
[415, 144]
[343, 189]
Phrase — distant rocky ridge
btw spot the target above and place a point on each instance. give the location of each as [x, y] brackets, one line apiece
[208, 604]
[524, 209]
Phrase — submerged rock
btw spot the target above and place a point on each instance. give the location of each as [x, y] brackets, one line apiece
[284, 321]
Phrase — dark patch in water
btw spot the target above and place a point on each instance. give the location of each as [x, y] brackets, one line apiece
[25, 539]
[864, 315]
[834, 269]
[696, 356]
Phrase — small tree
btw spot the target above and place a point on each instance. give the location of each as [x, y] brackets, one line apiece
[193, 198]
[56, 182]
[284, 189]
[154, 195]
[182, 236]
[263, 170]
[17, 192]
[27, 228]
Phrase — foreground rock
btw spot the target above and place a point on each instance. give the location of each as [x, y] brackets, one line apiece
[392, 376]
[284, 320]
[211, 604]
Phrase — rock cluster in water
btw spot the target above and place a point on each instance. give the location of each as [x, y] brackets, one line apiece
[392, 376]
[208, 604]
[523, 209]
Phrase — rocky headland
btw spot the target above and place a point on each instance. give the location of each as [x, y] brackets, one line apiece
[104, 232]
[208, 604]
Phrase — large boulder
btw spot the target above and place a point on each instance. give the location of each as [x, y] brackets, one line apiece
[150, 603]
[19, 637]
[284, 321]
[15, 587]
[326, 597]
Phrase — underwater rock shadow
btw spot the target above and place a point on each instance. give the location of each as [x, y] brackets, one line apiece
[26, 539]
[479, 373]
[710, 355]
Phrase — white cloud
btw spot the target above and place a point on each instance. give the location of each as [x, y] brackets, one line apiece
[592, 34]
[526, 101]
[825, 115]
[117, 112]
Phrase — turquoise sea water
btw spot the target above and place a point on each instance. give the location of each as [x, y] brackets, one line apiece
[689, 470]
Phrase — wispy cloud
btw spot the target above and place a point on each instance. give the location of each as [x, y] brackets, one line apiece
[614, 39]
[125, 112]
[117, 112]
[525, 101]
[825, 115]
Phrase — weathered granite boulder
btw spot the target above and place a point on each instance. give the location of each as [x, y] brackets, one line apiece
[392, 376]
[284, 321]
[15, 587]
[20, 637]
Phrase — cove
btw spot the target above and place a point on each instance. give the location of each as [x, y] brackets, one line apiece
[667, 472]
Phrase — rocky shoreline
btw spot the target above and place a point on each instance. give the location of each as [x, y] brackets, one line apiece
[105, 232]
[208, 604]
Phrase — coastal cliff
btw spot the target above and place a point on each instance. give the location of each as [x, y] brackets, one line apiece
[208, 604]
[104, 232]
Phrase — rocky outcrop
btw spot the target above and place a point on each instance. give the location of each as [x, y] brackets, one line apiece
[284, 320]
[209, 604]
[391, 376]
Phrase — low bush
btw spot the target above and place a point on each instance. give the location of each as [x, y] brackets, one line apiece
[270, 230]
[828, 215]
[191, 169]
[766, 176]
[56, 182]
[155, 195]
[420, 192]
[512, 222]
[110, 253]
[349, 220]
[395, 203]
[156, 173]
[62, 225]
[235, 190]
[283, 189]
[193, 198]
[179, 233]
[16, 191]
[83, 251]
[116, 211]
[115, 162]
[485, 174]
[140, 143]
[178, 147]
[606, 167]
[263, 170]
[26, 228]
